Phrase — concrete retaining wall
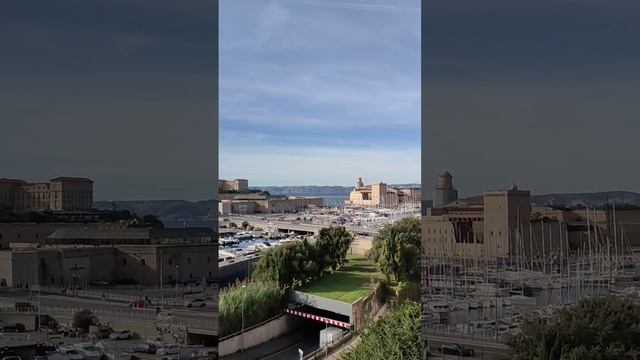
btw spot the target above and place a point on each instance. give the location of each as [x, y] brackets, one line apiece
[318, 302]
[259, 334]
[365, 309]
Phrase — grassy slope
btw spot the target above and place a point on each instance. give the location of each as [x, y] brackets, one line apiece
[348, 283]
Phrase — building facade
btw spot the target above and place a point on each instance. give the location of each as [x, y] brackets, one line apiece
[59, 194]
[381, 195]
[77, 256]
[236, 185]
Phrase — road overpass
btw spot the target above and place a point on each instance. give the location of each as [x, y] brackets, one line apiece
[295, 226]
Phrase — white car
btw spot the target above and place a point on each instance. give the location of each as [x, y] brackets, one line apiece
[121, 335]
[196, 303]
[171, 349]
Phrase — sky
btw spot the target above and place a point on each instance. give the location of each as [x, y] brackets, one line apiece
[320, 92]
[543, 94]
[120, 91]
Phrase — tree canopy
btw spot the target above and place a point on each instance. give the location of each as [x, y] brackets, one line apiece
[297, 263]
[594, 329]
[396, 335]
[396, 249]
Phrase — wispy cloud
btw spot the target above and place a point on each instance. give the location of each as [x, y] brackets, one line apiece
[367, 6]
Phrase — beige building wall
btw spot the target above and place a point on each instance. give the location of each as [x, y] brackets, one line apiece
[505, 212]
[64, 266]
[59, 194]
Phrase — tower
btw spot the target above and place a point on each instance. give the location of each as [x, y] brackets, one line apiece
[444, 192]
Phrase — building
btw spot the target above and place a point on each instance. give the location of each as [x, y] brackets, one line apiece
[265, 204]
[444, 192]
[505, 227]
[115, 254]
[380, 195]
[238, 199]
[236, 185]
[60, 194]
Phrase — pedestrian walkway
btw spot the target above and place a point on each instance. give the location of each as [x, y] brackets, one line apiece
[354, 341]
[271, 347]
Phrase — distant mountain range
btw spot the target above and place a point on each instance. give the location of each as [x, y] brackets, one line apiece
[172, 211]
[573, 199]
[316, 190]
[166, 210]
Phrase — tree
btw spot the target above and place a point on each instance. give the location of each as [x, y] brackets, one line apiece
[594, 329]
[396, 335]
[83, 319]
[152, 221]
[334, 242]
[245, 225]
[396, 249]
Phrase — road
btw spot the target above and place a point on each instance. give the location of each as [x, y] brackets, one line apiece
[48, 301]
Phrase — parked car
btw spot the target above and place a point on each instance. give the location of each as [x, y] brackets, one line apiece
[89, 351]
[456, 350]
[196, 303]
[121, 335]
[74, 355]
[146, 348]
[170, 349]
[16, 327]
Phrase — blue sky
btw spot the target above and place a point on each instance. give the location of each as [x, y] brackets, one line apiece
[319, 92]
[542, 93]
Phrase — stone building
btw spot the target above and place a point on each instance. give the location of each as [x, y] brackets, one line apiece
[75, 255]
[59, 194]
[236, 185]
[381, 195]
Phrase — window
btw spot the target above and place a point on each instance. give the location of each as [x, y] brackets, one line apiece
[208, 259]
[143, 262]
[124, 262]
[188, 260]
[170, 261]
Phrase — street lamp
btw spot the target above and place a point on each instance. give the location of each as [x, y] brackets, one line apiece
[242, 316]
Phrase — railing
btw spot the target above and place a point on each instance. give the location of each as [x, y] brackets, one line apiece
[484, 335]
[114, 315]
[324, 351]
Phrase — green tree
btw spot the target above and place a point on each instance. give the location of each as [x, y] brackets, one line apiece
[83, 319]
[595, 329]
[245, 225]
[396, 249]
[397, 335]
[334, 242]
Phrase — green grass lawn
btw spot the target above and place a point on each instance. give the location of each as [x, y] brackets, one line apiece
[349, 283]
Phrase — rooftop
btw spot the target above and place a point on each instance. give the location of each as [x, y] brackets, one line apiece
[348, 284]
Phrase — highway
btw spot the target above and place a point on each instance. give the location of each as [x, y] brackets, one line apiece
[293, 225]
[62, 304]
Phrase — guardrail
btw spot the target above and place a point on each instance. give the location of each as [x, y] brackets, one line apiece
[324, 351]
[114, 315]
[487, 335]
